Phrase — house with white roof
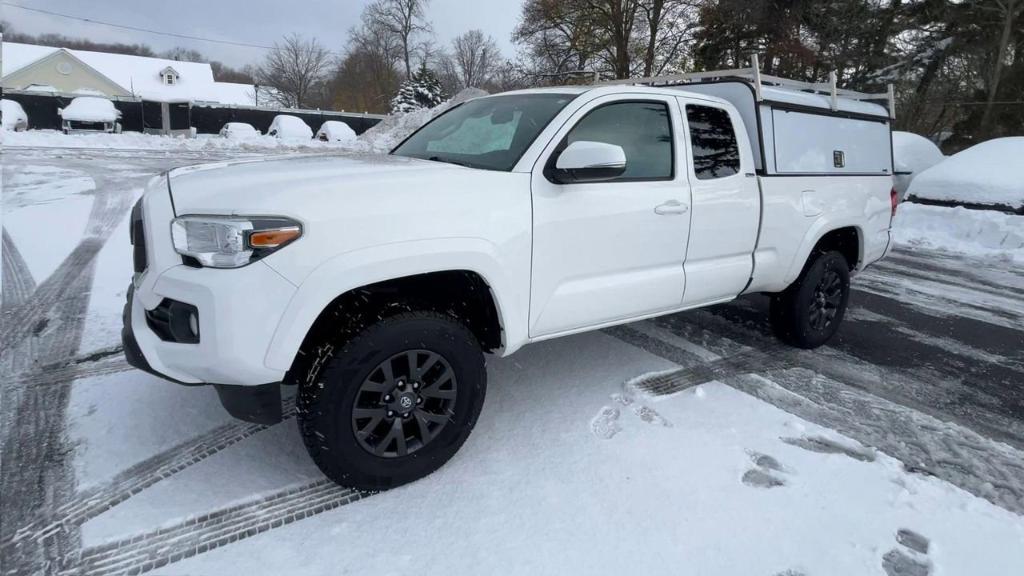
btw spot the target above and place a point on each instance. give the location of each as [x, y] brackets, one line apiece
[48, 69]
[163, 89]
[155, 95]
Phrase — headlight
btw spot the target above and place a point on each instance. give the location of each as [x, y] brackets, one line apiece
[231, 241]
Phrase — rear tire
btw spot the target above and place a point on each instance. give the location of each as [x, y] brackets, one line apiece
[394, 402]
[810, 311]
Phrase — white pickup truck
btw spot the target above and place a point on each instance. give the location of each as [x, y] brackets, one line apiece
[375, 284]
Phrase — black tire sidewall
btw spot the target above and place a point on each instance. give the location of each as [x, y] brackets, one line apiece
[325, 417]
[793, 312]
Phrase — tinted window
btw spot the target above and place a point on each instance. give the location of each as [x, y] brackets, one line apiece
[716, 154]
[490, 133]
[642, 129]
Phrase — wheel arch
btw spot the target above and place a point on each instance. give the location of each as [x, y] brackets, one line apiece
[460, 269]
[847, 238]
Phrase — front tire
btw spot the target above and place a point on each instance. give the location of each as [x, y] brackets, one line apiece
[393, 403]
[810, 311]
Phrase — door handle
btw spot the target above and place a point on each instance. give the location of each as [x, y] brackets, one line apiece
[672, 207]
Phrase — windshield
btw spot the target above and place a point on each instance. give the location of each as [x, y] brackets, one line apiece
[489, 133]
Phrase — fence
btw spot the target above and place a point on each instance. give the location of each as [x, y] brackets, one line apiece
[139, 116]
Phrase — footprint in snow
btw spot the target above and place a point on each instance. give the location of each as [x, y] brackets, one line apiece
[766, 472]
[910, 558]
[606, 424]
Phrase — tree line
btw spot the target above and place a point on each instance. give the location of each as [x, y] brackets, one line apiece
[957, 65]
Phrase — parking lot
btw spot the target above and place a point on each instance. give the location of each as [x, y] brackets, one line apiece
[107, 470]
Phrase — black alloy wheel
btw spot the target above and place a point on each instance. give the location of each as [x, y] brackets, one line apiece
[404, 403]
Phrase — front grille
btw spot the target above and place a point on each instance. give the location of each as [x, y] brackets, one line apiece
[137, 236]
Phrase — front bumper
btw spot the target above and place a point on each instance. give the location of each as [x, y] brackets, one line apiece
[238, 314]
[259, 403]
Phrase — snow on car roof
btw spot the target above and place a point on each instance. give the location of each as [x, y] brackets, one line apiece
[140, 75]
[91, 109]
[989, 173]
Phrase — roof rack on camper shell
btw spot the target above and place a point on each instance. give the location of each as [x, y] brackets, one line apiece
[758, 81]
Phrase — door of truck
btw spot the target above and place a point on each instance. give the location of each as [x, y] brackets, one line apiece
[726, 205]
[609, 251]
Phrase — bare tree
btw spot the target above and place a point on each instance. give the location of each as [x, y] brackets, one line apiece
[1008, 12]
[295, 68]
[405, 20]
[474, 58]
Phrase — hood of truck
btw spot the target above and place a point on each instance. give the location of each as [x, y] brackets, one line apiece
[289, 186]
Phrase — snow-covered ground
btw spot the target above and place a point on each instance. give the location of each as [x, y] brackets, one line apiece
[693, 444]
[140, 141]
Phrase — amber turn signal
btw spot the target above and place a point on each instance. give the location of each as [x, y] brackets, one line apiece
[274, 238]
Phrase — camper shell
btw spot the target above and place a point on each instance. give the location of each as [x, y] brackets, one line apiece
[800, 128]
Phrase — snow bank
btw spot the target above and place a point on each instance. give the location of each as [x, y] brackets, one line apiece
[91, 109]
[397, 127]
[914, 154]
[974, 232]
[139, 141]
[990, 173]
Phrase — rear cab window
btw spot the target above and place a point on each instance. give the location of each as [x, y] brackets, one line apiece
[716, 150]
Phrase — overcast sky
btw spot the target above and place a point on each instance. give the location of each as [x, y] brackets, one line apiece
[247, 21]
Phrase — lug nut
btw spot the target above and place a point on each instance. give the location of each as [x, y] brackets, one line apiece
[406, 415]
[391, 414]
[401, 384]
[415, 385]
[387, 398]
[419, 400]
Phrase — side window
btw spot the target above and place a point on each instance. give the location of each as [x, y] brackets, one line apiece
[642, 129]
[716, 153]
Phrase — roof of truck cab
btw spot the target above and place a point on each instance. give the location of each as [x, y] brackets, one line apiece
[615, 89]
[769, 93]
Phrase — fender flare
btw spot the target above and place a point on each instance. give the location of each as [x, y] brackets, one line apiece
[818, 230]
[352, 270]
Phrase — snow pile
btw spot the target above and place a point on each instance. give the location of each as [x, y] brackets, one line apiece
[286, 126]
[988, 174]
[913, 154]
[14, 117]
[140, 141]
[335, 131]
[91, 109]
[974, 232]
[397, 127]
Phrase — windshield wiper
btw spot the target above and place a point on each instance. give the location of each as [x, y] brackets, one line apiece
[448, 161]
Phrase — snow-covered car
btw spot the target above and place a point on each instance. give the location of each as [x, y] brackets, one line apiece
[90, 114]
[14, 117]
[289, 127]
[382, 280]
[239, 131]
[335, 131]
[987, 175]
[912, 155]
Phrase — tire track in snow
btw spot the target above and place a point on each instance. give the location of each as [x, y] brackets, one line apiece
[17, 278]
[91, 502]
[199, 534]
[984, 467]
[22, 320]
[49, 326]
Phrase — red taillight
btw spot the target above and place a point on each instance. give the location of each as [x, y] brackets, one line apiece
[894, 198]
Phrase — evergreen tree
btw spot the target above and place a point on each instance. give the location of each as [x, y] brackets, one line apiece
[421, 90]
